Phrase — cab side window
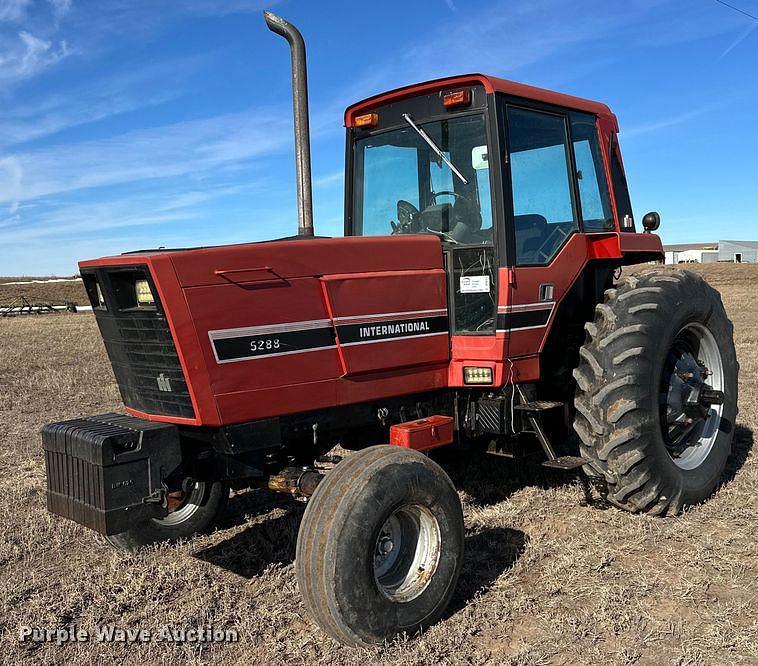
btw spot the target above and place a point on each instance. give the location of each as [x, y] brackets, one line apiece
[621, 192]
[543, 209]
[590, 175]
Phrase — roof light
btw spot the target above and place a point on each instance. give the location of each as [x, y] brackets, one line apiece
[366, 120]
[457, 98]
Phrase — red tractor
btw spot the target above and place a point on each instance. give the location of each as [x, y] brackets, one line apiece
[474, 302]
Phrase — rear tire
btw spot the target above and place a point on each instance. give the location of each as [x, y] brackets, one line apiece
[624, 383]
[380, 547]
[204, 504]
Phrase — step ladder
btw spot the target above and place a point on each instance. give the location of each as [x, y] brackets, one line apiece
[533, 412]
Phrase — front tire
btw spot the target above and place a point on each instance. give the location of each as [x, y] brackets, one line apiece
[198, 513]
[380, 547]
[659, 341]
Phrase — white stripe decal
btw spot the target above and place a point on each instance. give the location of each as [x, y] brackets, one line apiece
[224, 333]
[525, 307]
[382, 315]
[519, 328]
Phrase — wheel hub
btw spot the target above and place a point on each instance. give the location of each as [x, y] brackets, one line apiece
[691, 396]
[406, 553]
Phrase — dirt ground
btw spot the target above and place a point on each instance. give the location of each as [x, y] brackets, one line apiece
[546, 580]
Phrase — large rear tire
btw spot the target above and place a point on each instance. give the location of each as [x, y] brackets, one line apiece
[380, 546]
[656, 357]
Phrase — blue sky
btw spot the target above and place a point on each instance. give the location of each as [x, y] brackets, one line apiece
[128, 124]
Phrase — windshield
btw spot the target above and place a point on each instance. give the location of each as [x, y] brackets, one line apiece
[402, 186]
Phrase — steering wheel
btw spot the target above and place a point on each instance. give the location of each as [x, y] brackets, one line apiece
[541, 253]
[407, 215]
[450, 193]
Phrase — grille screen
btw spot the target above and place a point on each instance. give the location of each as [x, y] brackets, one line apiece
[143, 355]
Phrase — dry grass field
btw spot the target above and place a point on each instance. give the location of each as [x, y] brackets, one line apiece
[54, 293]
[546, 580]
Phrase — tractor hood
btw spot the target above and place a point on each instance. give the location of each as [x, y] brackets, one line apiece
[280, 327]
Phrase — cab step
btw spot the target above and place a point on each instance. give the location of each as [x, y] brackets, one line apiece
[565, 463]
[537, 406]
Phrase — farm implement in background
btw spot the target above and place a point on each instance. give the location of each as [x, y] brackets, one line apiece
[23, 306]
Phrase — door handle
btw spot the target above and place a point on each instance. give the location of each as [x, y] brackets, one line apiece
[260, 275]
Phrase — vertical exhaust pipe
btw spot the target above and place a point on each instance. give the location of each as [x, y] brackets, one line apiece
[300, 107]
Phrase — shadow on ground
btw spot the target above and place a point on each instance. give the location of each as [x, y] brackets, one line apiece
[741, 447]
[270, 541]
[489, 479]
[487, 554]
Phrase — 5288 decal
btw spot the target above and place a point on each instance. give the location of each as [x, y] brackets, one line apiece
[269, 344]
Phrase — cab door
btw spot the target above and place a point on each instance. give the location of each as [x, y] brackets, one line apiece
[555, 171]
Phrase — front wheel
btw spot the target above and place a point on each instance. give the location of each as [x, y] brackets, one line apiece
[656, 398]
[194, 511]
[380, 546]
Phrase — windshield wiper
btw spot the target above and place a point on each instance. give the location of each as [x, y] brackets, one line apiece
[442, 235]
[433, 146]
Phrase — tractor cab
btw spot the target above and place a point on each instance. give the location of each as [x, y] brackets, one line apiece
[522, 186]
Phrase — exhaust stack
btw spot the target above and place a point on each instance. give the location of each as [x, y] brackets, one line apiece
[300, 107]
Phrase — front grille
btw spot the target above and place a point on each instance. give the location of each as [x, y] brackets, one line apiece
[145, 363]
[143, 355]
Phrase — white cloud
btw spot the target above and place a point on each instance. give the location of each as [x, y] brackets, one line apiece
[329, 179]
[13, 11]
[60, 7]
[669, 121]
[506, 37]
[26, 55]
[11, 175]
[159, 152]
[47, 113]
[740, 38]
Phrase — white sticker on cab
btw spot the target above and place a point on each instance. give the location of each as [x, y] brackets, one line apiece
[475, 284]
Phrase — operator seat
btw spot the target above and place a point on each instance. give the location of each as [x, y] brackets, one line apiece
[531, 231]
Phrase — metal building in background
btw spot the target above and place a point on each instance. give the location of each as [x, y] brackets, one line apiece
[745, 252]
[705, 253]
[688, 253]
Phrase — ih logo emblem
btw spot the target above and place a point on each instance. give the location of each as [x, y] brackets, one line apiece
[164, 383]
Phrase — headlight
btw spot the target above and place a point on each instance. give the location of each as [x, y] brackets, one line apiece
[144, 294]
[100, 299]
[477, 375]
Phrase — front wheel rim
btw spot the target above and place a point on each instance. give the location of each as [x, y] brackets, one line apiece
[406, 553]
[693, 367]
[190, 505]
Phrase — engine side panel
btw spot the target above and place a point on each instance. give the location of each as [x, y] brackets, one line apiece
[286, 327]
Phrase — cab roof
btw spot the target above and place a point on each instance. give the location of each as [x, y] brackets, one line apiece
[491, 84]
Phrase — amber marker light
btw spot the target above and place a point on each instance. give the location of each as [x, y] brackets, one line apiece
[456, 98]
[366, 120]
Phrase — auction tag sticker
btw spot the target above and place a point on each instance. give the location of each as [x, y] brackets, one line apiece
[475, 284]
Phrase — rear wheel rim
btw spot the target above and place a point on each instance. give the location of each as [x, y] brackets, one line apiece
[191, 504]
[693, 364]
[406, 553]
